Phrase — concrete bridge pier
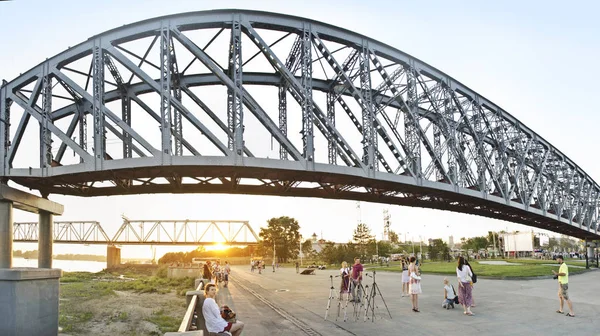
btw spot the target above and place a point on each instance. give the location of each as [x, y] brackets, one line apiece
[6, 234]
[45, 240]
[113, 256]
[29, 296]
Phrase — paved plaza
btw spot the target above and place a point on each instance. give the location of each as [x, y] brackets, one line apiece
[504, 307]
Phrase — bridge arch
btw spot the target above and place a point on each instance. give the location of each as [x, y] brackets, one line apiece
[389, 127]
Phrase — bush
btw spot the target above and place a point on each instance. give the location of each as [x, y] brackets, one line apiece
[162, 271]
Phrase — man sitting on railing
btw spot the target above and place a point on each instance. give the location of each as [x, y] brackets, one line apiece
[212, 315]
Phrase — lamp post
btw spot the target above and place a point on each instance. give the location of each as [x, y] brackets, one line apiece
[300, 250]
[274, 256]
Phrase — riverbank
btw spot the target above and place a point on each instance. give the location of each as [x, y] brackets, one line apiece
[113, 303]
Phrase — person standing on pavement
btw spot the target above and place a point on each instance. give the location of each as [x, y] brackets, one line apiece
[405, 278]
[226, 272]
[297, 267]
[464, 274]
[414, 285]
[563, 286]
[472, 282]
[356, 280]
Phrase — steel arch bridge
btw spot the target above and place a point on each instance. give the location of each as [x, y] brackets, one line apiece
[233, 101]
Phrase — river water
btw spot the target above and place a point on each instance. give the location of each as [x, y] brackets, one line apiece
[65, 265]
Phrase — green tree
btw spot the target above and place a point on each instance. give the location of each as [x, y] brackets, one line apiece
[394, 237]
[476, 243]
[307, 247]
[362, 236]
[553, 244]
[282, 234]
[438, 250]
[380, 248]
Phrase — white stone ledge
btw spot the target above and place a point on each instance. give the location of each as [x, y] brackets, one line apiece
[24, 273]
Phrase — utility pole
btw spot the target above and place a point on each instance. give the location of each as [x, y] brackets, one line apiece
[300, 250]
[274, 256]
[494, 239]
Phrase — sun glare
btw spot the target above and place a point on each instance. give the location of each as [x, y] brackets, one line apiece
[217, 247]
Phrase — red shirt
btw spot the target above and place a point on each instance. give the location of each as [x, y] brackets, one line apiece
[356, 270]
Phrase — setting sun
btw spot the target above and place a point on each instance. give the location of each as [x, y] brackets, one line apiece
[217, 247]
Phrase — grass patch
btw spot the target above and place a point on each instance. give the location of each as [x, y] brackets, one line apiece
[165, 323]
[531, 268]
[86, 285]
[78, 287]
[72, 322]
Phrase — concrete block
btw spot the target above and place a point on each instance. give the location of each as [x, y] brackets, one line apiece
[29, 304]
[181, 272]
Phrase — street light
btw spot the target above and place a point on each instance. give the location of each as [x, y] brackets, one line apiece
[300, 250]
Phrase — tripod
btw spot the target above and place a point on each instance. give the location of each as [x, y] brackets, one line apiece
[358, 299]
[371, 300]
[331, 289]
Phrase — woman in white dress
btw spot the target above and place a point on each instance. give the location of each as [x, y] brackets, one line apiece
[414, 286]
[345, 275]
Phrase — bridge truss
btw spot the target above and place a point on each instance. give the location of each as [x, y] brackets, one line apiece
[249, 102]
[146, 232]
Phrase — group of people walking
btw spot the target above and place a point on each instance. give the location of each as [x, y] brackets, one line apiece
[217, 273]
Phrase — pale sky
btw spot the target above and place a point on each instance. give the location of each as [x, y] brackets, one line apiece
[535, 59]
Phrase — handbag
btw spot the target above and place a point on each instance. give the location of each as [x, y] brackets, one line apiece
[455, 296]
[415, 276]
[468, 278]
[474, 278]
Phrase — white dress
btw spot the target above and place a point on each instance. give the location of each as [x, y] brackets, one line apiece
[414, 285]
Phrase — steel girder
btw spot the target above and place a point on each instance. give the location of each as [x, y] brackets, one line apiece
[83, 232]
[453, 149]
[145, 232]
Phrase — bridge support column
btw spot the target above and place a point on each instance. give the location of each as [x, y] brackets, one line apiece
[6, 234]
[29, 303]
[113, 256]
[45, 240]
[29, 296]
[589, 256]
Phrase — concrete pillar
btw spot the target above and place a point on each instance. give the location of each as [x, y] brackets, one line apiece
[29, 301]
[6, 234]
[45, 240]
[113, 256]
